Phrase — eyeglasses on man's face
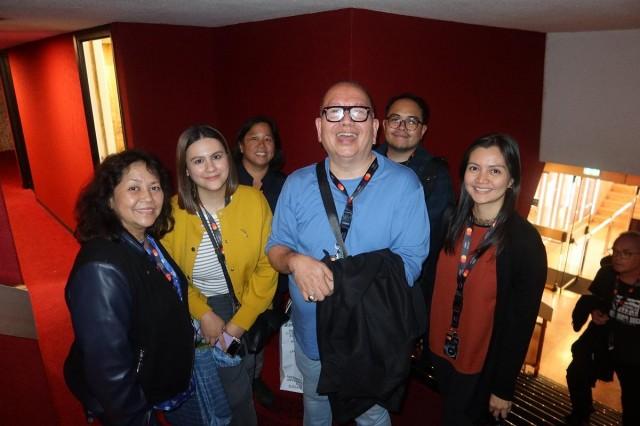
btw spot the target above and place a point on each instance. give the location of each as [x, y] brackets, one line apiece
[623, 254]
[336, 113]
[410, 123]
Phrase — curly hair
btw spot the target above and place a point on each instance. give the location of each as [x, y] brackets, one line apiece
[96, 219]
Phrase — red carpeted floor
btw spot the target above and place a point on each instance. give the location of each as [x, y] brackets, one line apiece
[25, 399]
[46, 251]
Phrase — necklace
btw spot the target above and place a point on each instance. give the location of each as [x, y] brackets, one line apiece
[483, 222]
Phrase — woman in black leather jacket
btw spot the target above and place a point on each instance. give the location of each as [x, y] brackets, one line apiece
[133, 347]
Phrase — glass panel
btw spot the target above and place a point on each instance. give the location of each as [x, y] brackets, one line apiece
[579, 217]
[103, 93]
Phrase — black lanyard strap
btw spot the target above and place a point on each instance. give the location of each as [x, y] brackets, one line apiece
[347, 215]
[330, 208]
[465, 265]
[216, 240]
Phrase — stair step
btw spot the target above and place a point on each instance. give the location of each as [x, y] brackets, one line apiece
[623, 189]
[621, 197]
[538, 401]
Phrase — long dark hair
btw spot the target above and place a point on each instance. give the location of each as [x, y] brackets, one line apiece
[96, 219]
[463, 211]
[278, 158]
[187, 192]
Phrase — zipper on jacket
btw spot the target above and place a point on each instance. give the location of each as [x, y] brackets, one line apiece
[140, 361]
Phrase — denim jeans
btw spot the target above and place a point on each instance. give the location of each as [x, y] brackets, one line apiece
[317, 411]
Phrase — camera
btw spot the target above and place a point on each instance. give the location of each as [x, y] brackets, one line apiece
[451, 342]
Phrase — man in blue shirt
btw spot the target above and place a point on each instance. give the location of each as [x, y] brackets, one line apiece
[388, 211]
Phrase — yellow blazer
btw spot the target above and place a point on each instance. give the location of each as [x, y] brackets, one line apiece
[245, 224]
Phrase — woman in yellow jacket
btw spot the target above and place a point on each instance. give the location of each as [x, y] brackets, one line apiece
[238, 218]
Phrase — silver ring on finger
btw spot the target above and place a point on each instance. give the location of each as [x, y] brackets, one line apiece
[311, 298]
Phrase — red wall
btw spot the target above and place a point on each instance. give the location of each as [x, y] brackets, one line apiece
[282, 68]
[166, 77]
[476, 80]
[47, 87]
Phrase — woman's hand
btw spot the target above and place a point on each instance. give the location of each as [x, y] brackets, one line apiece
[234, 330]
[499, 407]
[598, 317]
[211, 326]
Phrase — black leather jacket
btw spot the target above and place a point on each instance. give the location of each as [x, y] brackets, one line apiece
[133, 336]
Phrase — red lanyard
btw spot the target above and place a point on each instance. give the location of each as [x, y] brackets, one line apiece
[347, 215]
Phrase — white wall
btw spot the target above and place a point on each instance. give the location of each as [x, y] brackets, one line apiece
[591, 104]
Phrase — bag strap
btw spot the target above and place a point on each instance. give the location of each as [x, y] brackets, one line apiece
[329, 206]
[220, 255]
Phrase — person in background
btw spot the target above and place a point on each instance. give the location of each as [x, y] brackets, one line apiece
[611, 342]
[405, 124]
[133, 343]
[211, 205]
[489, 282]
[380, 205]
[258, 157]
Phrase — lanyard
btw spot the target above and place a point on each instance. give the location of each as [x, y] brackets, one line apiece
[151, 247]
[347, 215]
[213, 230]
[211, 224]
[466, 264]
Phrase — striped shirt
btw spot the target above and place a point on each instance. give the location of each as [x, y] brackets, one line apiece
[207, 272]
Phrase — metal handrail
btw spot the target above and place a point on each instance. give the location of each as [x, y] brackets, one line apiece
[607, 221]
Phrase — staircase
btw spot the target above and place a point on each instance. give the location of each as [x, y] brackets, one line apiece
[537, 401]
[618, 196]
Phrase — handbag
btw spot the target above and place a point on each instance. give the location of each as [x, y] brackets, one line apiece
[268, 322]
[290, 375]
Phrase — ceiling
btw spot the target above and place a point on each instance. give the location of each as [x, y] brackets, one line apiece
[27, 20]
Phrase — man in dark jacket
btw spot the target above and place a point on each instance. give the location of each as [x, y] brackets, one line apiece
[611, 342]
[405, 124]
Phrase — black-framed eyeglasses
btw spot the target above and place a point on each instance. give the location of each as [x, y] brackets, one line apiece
[357, 113]
[623, 254]
[410, 123]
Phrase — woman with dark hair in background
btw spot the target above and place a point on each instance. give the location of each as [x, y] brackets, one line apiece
[258, 157]
[133, 348]
[488, 287]
[221, 229]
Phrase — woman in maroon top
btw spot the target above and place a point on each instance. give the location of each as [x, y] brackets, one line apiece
[488, 286]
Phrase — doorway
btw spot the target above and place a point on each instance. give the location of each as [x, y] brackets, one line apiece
[579, 213]
[11, 136]
[100, 93]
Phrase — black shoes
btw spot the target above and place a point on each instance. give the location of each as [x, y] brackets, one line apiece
[577, 419]
[262, 393]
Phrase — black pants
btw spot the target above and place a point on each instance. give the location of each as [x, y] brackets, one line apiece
[581, 378]
[458, 392]
[629, 377]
